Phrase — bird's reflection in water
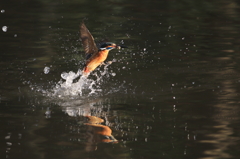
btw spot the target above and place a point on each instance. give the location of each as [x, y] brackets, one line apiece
[89, 115]
[97, 133]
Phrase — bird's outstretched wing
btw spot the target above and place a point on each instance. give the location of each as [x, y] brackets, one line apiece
[87, 41]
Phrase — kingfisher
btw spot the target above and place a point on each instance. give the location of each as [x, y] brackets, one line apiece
[94, 56]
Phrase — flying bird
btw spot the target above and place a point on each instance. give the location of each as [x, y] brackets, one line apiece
[94, 56]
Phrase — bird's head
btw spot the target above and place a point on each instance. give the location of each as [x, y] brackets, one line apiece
[109, 46]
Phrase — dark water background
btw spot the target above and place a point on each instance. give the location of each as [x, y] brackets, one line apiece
[174, 93]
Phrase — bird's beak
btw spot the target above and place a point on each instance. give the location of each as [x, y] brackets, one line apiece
[121, 46]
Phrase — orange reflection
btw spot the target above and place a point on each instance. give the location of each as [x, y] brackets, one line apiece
[97, 133]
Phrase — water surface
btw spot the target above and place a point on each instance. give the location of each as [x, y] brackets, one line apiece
[174, 93]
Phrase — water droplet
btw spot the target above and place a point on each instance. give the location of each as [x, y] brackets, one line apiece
[2, 11]
[64, 75]
[183, 38]
[46, 70]
[9, 143]
[48, 113]
[15, 35]
[4, 28]
[7, 137]
[19, 136]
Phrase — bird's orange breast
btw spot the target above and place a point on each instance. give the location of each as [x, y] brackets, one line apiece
[93, 62]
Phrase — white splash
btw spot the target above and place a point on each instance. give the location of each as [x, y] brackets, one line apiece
[4, 28]
[69, 88]
[77, 84]
[46, 70]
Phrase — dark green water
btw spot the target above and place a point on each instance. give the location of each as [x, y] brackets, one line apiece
[174, 93]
